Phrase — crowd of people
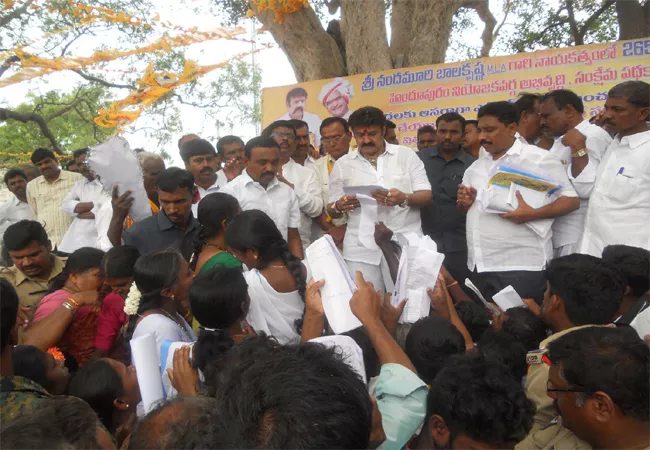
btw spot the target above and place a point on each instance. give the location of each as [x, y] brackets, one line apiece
[218, 275]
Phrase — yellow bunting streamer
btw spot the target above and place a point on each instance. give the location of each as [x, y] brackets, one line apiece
[281, 8]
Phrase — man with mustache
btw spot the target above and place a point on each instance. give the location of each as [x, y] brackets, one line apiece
[302, 153]
[302, 180]
[404, 190]
[619, 204]
[445, 165]
[502, 250]
[15, 209]
[580, 146]
[259, 187]
[296, 101]
[335, 97]
[175, 225]
[427, 137]
[203, 162]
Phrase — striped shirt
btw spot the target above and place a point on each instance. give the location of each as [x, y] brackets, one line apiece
[46, 198]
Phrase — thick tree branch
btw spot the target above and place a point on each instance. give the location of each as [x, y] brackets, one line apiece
[482, 8]
[7, 114]
[102, 82]
[506, 11]
[8, 63]
[577, 38]
[15, 14]
[590, 21]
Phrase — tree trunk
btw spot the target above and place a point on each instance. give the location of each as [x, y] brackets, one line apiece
[312, 52]
[430, 31]
[633, 19]
[363, 27]
[401, 22]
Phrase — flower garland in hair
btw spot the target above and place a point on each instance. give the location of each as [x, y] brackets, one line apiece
[132, 302]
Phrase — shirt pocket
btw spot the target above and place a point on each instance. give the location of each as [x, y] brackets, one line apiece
[624, 186]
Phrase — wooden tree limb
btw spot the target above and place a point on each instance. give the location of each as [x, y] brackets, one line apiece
[7, 114]
[633, 19]
[101, 81]
[506, 10]
[590, 21]
[8, 63]
[482, 8]
[15, 14]
[573, 26]
[401, 29]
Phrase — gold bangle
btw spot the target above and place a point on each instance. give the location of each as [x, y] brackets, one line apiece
[74, 302]
[452, 284]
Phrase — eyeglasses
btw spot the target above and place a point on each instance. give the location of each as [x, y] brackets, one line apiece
[550, 388]
[283, 136]
[331, 140]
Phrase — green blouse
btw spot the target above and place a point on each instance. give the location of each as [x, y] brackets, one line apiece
[222, 259]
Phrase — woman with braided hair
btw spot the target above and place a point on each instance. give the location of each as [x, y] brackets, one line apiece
[276, 280]
[215, 212]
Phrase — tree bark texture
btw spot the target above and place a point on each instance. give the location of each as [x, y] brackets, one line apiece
[633, 19]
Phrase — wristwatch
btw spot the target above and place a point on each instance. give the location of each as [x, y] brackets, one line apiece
[579, 153]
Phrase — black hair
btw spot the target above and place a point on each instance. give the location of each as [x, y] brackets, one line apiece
[82, 151]
[611, 360]
[452, 117]
[505, 112]
[426, 129]
[505, 348]
[230, 139]
[29, 362]
[475, 318]
[175, 178]
[70, 163]
[21, 234]
[526, 326]
[9, 309]
[367, 116]
[79, 261]
[303, 396]
[430, 342]
[563, 97]
[390, 125]
[98, 384]
[253, 229]
[526, 102]
[41, 153]
[330, 120]
[13, 173]
[471, 122]
[196, 147]
[212, 211]
[636, 92]
[370, 357]
[297, 123]
[268, 131]
[590, 288]
[152, 274]
[218, 300]
[59, 422]
[476, 397]
[183, 422]
[633, 263]
[259, 142]
[296, 92]
[119, 262]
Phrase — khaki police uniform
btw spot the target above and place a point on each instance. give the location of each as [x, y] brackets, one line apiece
[552, 436]
[31, 290]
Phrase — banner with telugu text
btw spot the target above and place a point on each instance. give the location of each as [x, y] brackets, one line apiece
[416, 96]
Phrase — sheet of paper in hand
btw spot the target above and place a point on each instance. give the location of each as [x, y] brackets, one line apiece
[147, 365]
[508, 298]
[641, 323]
[487, 304]
[326, 263]
[115, 164]
[364, 190]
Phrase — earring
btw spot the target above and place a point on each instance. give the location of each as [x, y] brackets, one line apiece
[255, 256]
[127, 405]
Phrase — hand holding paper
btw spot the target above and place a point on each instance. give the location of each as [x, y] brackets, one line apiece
[523, 213]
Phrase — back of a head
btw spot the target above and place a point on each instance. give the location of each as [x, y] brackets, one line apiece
[214, 209]
[504, 111]
[254, 229]
[634, 265]
[21, 234]
[174, 178]
[367, 116]
[79, 261]
[610, 360]
[8, 309]
[475, 318]
[259, 142]
[431, 341]
[146, 156]
[40, 154]
[526, 102]
[476, 397]
[59, 423]
[29, 362]
[564, 97]
[119, 262]
[196, 147]
[505, 348]
[526, 326]
[591, 288]
[292, 397]
[154, 272]
[636, 92]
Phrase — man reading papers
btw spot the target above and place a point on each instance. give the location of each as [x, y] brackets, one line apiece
[502, 249]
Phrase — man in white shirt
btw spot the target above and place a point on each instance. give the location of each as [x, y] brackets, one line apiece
[82, 202]
[302, 154]
[202, 161]
[619, 200]
[259, 188]
[301, 180]
[16, 208]
[404, 190]
[335, 138]
[296, 100]
[502, 250]
[561, 115]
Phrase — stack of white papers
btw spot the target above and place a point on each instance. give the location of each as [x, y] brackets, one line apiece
[418, 270]
[641, 323]
[326, 263]
[508, 298]
[487, 304]
[147, 366]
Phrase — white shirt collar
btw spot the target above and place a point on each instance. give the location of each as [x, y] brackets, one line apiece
[635, 140]
[390, 148]
[248, 180]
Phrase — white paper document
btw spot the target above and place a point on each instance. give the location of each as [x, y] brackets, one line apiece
[418, 270]
[487, 304]
[535, 199]
[508, 298]
[326, 263]
[363, 190]
[641, 323]
[369, 211]
[147, 366]
[115, 164]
